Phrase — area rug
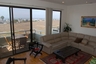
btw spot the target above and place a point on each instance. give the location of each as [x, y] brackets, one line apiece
[73, 59]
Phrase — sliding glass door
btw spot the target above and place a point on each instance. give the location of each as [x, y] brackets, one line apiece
[5, 33]
[15, 30]
[21, 18]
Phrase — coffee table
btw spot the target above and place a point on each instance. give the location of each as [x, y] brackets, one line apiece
[65, 52]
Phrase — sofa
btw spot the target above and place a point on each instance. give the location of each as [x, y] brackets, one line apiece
[57, 41]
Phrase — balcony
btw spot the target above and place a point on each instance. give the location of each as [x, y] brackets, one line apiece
[6, 43]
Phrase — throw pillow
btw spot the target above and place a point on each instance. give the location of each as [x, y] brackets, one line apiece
[78, 40]
[85, 42]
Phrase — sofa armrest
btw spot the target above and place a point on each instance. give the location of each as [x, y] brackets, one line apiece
[46, 44]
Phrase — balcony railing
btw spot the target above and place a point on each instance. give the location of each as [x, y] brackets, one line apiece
[5, 37]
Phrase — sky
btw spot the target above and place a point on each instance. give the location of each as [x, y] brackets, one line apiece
[25, 13]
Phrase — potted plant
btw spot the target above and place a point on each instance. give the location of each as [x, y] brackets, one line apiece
[67, 28]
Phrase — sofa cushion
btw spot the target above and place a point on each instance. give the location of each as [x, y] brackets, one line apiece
[93, 39]
[85, 42]
[92, 44]
[48, 37]
[59, 44]
[50, 41]
[87, 37]
[75, 44]
[78, 40]
[69, 42]
[72, 38]
[89, 49]
[64, 34]
[80, 35]
[46, 44]
[64, 38]
[57, 35]
[81, 46]
[57, 40]
[72, 34]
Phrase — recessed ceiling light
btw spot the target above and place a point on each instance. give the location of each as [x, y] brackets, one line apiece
[63, 2]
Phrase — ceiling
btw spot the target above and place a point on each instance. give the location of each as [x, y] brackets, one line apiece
[71, 2]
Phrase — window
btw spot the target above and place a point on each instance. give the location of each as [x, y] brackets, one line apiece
[56, 21]
[39, 21]
[5, 34]
[21, 28]
[21, 21]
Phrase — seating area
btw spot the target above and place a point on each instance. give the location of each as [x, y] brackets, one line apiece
[48, 31]
[57, 41]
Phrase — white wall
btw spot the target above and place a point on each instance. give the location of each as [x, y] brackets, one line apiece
[74, 14]
[38, 4]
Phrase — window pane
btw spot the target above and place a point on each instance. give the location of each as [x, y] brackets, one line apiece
[55, 21]
[22, 28]
[39, 23]
[5, 35]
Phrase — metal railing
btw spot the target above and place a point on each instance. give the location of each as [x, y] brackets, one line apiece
[36, 33]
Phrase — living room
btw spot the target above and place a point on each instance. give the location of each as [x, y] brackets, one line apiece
[70, 14]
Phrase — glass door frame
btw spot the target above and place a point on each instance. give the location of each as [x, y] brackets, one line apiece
[10, 29]
[13, 29]
[11, 17]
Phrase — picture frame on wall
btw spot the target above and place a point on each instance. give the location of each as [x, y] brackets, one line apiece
[88, 21]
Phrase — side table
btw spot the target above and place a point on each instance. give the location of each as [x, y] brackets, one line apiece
[36, 47]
